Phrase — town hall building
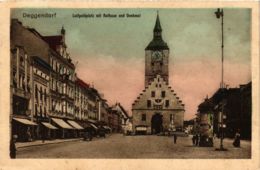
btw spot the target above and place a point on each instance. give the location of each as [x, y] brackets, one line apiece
[158, 107]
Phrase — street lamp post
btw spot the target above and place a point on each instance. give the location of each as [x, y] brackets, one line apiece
[220, 14]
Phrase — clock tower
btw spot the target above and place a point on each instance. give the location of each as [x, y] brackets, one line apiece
[157, 108]
[156, 56]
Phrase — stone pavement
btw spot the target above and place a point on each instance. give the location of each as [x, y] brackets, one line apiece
[117, 146]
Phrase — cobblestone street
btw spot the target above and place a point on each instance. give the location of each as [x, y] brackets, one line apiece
[119, 146]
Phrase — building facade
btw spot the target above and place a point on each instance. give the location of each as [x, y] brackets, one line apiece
[235, 105]
[21, 116]
[120, 118]
[48, 100]
[158, 105]
[40, 98]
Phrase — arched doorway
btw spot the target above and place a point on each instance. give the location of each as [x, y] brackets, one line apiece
[156, 123]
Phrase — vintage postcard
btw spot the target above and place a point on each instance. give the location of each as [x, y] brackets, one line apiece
[158, 83]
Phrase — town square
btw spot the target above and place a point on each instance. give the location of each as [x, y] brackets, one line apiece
[130, 83]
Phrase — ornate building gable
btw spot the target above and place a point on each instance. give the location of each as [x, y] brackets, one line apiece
[158, 95]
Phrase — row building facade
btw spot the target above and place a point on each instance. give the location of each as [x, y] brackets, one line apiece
[48, 100]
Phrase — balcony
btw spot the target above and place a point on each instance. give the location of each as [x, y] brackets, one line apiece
[22, 93]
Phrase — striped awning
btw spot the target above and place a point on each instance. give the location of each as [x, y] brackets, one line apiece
[75, 124]
[48, 125]
[107, 127]
[25, 121]
[92, 121]
[94, 126]
[62, 123]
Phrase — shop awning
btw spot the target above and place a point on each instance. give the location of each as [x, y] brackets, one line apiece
[107, 127]
[94, 126]
[62, 123]
[25, 121]
[75, 124]
[92, 121]
[48, 125]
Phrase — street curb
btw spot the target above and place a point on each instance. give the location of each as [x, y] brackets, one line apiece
[49, 143]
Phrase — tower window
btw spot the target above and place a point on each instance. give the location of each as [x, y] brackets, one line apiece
[166, 103]
[153, 93]
[163, 94]
[149, 103]
[143, 117]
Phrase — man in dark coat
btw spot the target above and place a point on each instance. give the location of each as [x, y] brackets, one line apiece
[236, 142]
[13, 147]
[175, 138]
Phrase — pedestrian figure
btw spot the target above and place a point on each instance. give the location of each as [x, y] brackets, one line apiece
[175, 138]
[236, 142]
[13, 147]
[193, 140]
[29, 136]
[210, 137]
[43, 135]
[196, 140]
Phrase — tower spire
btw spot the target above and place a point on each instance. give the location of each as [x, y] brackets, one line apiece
[157, 43]
[157, 31]
[157, 26]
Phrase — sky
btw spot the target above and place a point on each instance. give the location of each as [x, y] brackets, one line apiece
[109, 52]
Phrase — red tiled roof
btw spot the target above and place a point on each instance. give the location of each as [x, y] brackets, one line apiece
[53, 41]
[82, 83]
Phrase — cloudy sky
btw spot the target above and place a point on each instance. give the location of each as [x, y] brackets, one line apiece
[110, 51]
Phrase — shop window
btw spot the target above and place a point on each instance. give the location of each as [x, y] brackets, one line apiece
[143, 117]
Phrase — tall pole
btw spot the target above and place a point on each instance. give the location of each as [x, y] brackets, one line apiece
[222, 49]
[220, 14]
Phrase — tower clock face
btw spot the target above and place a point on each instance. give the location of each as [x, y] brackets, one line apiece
[157, 62]
[157, 56]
